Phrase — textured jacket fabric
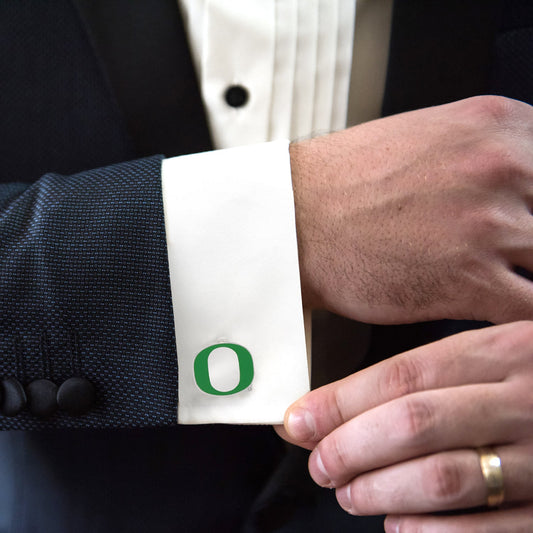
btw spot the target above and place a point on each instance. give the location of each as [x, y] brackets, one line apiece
[85, 291]
[84, 287]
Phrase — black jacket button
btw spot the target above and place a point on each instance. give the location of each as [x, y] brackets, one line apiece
[42, 397]
[76, 395]
[14, 399]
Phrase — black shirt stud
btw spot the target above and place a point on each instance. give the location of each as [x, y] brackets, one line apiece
[236, 96]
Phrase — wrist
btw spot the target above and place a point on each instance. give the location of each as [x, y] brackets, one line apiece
[302, 168]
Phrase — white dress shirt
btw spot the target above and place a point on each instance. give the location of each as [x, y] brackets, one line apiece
[230, 213]
[292, 56]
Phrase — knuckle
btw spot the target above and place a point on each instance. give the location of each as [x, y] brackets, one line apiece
[501, 162]
[523, 332]
[335, 458]
[494, 162]
[514, 340]
[416, 421]
[407, 526]
[336, 407]
[484, 225]
[493, 108]
[402, 377]
[443, 480]
[364, 497]
[522, 404]
[527, 408]
[518, 345]
[326, 408]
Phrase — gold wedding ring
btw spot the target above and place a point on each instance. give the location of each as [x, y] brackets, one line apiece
[491, 467]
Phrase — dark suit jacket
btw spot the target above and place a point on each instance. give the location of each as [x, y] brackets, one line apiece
[83, 275]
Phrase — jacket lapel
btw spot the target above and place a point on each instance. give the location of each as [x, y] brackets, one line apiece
[144, 53]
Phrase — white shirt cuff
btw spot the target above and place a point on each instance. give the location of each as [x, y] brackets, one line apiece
[233, 262]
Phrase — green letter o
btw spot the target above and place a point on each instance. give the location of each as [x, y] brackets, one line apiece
[246, 369]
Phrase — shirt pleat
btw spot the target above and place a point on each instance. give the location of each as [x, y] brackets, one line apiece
[304, 77]
[292, 57]
[345, 23]
[284, 69]
[325, 65]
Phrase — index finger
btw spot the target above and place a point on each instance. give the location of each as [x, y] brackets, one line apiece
[480, 356]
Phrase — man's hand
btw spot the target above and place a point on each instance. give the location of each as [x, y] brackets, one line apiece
[399, 438]
[420, 216]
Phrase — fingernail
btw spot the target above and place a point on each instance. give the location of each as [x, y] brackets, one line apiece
[344, 498]
[392, 524]
[322, 478]
[301, 425]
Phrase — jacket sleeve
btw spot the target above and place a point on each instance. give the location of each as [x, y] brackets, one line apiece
[84, 291]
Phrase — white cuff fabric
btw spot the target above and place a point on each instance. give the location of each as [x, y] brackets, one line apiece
[233, 262]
